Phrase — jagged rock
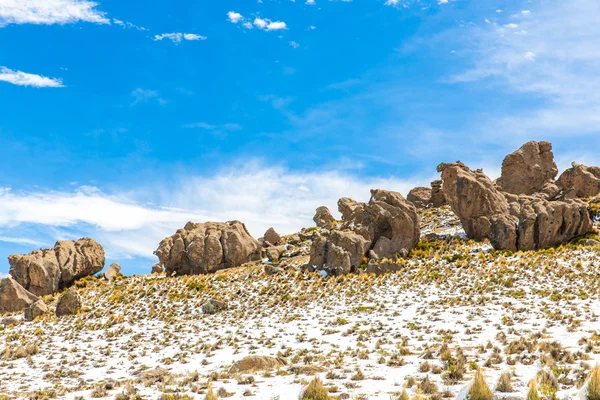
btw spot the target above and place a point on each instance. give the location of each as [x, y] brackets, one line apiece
[14, 297]
[35, 310]
[272, 237]
[510, 222]
[323, 217]
[207, 248]
[47, 271]
[214, 306]
[580, 181]
[385, 227]
[157, 269]
[274, 252]
[420, 196]
[68, 304]
[256, 363]
[113, 271]
[438, 198]
[528, 169]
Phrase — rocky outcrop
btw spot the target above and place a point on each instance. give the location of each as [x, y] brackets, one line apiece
[383, 228]
[529, 169]
[272, 237]
[47, 271]
[438, 198]
[580, 181]
[256, 363]
[157, 269]
[207, 248]
[112, 272]
[35, 310]
[323, 217]
[420, 196]
[13, 297]
[509, 221]
[68, 304]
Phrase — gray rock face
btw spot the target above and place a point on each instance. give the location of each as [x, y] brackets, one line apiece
[385, 227]
[13, 297]
[323, 217]
[580, 181]
[509, 221]
[68, 304]
[420, 196]
[112, 272]
[47, 271]
[35, 310]
[529, 169]
[207, 248]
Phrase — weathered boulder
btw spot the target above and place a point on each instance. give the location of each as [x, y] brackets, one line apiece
[112, 272]
[256, 363]
[274, 253]
[68, 304]
[207, 248]
[420, 196]
[528, 169]
[323, 217]
[385, 227]
[580, 181]
[509, 221]
[214, 306]
[438, 198]
[13, 297]
[35, 310]
[272, 269]
[157, 269]
[47, 271]
[272, 236]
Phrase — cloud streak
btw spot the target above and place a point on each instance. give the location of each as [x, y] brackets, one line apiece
[49, 12]
[20, 78]
[177, 37]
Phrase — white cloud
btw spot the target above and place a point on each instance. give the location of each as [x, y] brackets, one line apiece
[178, 37]
[310, 2]
[234, 17]
[553, 56]
[260, 23]
[294, 44]
[21, 241]
[259, 195]
[145, 95]
[3, 275]
[48, 12]
[392, 3]
[20, 78]
[268, 25]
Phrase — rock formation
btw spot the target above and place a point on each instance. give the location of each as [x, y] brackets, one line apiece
[47, 271]
[157, 269]
[528, 169]
[271, 236]
[207, 247]
[13, 297]
[420, 196]
[112, 272]
[509, 221]
[383, 228]
[35, 310]
[438, 198]
[68, 304]
[580, 181]
[323, 217]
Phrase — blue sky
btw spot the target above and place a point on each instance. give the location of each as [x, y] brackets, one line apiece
[123, 120]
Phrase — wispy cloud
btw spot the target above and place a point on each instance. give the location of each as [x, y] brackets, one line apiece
[264, 24]
[127, 225]
[178, 37]
[234, 17]
[48, 12]
[145, 95]
[20, 78]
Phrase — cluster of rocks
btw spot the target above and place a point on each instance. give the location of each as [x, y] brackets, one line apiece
[525, 209]
[386, 227]
[48, 271]
[423, 197]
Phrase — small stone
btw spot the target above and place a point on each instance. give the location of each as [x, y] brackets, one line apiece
[68, 304]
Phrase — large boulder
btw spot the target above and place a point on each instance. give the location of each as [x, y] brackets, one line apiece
[207, 247]
[383, 228]
[47, 271]
[580, 181]
[112, 272]
[35, 310]
[420, 196]
[510, 222]
[438, 198]
[14, 297]
[528, 169]
[323, 217]
[271, 236]
[68, 304]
